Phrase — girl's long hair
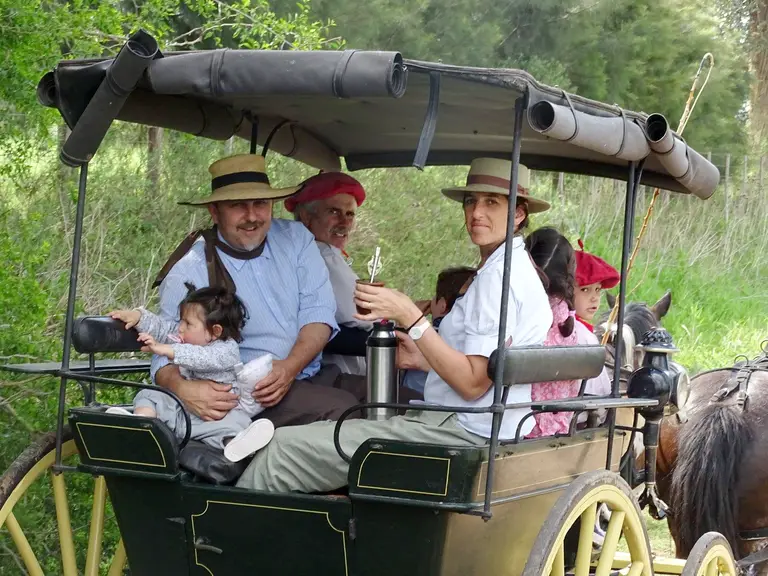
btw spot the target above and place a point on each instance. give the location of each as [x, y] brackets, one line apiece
[554, 259]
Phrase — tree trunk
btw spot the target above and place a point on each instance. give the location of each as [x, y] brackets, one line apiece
[154, 158]
[759, 62]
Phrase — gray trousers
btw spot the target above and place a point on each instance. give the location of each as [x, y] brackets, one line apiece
[212, 433]
[304, 458]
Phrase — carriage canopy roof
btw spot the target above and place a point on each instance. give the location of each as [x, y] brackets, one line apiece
[374, 109]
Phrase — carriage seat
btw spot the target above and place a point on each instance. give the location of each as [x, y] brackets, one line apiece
[532, 364]
[120, 444]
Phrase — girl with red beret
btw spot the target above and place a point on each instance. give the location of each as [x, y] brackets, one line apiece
[593, 275]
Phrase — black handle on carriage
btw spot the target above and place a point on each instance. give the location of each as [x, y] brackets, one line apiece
[421, 407]
[79, 376]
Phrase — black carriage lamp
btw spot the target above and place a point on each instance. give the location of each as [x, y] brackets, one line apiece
[653, 379]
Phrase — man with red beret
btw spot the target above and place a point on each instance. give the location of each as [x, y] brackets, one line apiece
[327, 205]
[593, 275]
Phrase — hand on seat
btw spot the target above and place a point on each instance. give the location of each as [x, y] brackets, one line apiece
[130, 317]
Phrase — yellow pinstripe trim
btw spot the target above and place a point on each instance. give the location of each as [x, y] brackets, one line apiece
[286, 509]
[447, 474]
[150, 432]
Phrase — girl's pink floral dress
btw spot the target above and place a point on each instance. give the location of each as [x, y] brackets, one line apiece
[548, 424]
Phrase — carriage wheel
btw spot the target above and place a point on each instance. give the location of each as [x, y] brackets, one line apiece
[24, 496]
[564, 544]
[711, 556]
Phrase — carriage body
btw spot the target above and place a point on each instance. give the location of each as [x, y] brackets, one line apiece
[410, 508]
[405, 511]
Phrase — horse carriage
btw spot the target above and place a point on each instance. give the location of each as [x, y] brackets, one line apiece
[510, 507]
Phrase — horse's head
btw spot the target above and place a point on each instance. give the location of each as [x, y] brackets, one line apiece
[638, 319]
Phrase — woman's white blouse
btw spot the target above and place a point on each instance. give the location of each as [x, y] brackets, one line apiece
[472, 327]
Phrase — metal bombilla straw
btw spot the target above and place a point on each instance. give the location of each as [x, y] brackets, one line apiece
[375, 263]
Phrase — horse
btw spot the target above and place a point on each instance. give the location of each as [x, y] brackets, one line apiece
[639, 318]
[712, 468]
[711, 465]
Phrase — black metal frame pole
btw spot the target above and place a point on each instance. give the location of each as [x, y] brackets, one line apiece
[73, 273]
[498, 377]
[626, 247]
[254, 132]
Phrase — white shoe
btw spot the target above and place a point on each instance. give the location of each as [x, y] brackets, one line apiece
[119, 410]
[248, 441]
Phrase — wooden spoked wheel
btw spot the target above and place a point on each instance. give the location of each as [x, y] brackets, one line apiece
[564, 544]
[711, 556]
[30, 494]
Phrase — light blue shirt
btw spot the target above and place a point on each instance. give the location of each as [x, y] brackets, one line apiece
[283, 290]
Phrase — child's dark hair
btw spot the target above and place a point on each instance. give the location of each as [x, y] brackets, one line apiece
[220, 306]
[554, 257]
[450, 282]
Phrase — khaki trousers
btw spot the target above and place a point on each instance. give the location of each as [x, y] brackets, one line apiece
[304, 458]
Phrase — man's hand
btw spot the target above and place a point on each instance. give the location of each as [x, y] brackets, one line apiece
[271, 389]
[207, 399]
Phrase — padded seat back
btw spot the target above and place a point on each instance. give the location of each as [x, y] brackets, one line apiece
[532, 364]
[93, 334]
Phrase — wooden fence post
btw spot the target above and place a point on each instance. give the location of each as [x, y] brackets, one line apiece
[744, 178]
[727, 180]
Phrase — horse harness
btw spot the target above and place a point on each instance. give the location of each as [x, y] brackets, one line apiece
[737, 389]
[737, 386]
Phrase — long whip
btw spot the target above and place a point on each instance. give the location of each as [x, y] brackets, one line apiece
[690, 105]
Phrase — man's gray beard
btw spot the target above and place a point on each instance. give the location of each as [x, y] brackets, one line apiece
[249, 247]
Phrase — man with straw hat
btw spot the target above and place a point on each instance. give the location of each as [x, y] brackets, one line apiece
[277, 271]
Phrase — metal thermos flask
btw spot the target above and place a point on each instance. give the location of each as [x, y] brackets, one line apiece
[381, 376]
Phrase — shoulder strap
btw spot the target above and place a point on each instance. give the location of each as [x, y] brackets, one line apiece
[177, 255]
[217, 273]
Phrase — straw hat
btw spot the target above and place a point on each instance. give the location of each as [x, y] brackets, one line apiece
[241, 177]
[492, 175]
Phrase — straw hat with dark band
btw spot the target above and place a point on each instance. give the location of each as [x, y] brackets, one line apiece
[492, 175]
[241, 177]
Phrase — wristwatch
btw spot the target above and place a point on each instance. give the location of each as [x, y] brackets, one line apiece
[417, 331]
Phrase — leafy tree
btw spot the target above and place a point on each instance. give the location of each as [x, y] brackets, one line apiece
[640, 54]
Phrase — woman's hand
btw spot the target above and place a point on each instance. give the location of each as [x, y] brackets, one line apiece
[386, 303]
[409, 357]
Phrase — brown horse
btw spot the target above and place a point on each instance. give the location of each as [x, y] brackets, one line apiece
[712, 467]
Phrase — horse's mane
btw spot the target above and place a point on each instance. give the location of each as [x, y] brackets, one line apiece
[638, 317]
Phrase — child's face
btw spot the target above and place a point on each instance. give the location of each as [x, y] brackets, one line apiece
[439, 307]
[587, 301]
[192, 329]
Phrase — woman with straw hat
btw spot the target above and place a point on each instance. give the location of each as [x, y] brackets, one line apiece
[303, 458]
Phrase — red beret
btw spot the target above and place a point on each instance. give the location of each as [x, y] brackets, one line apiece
[593, 270]
[325, 185]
